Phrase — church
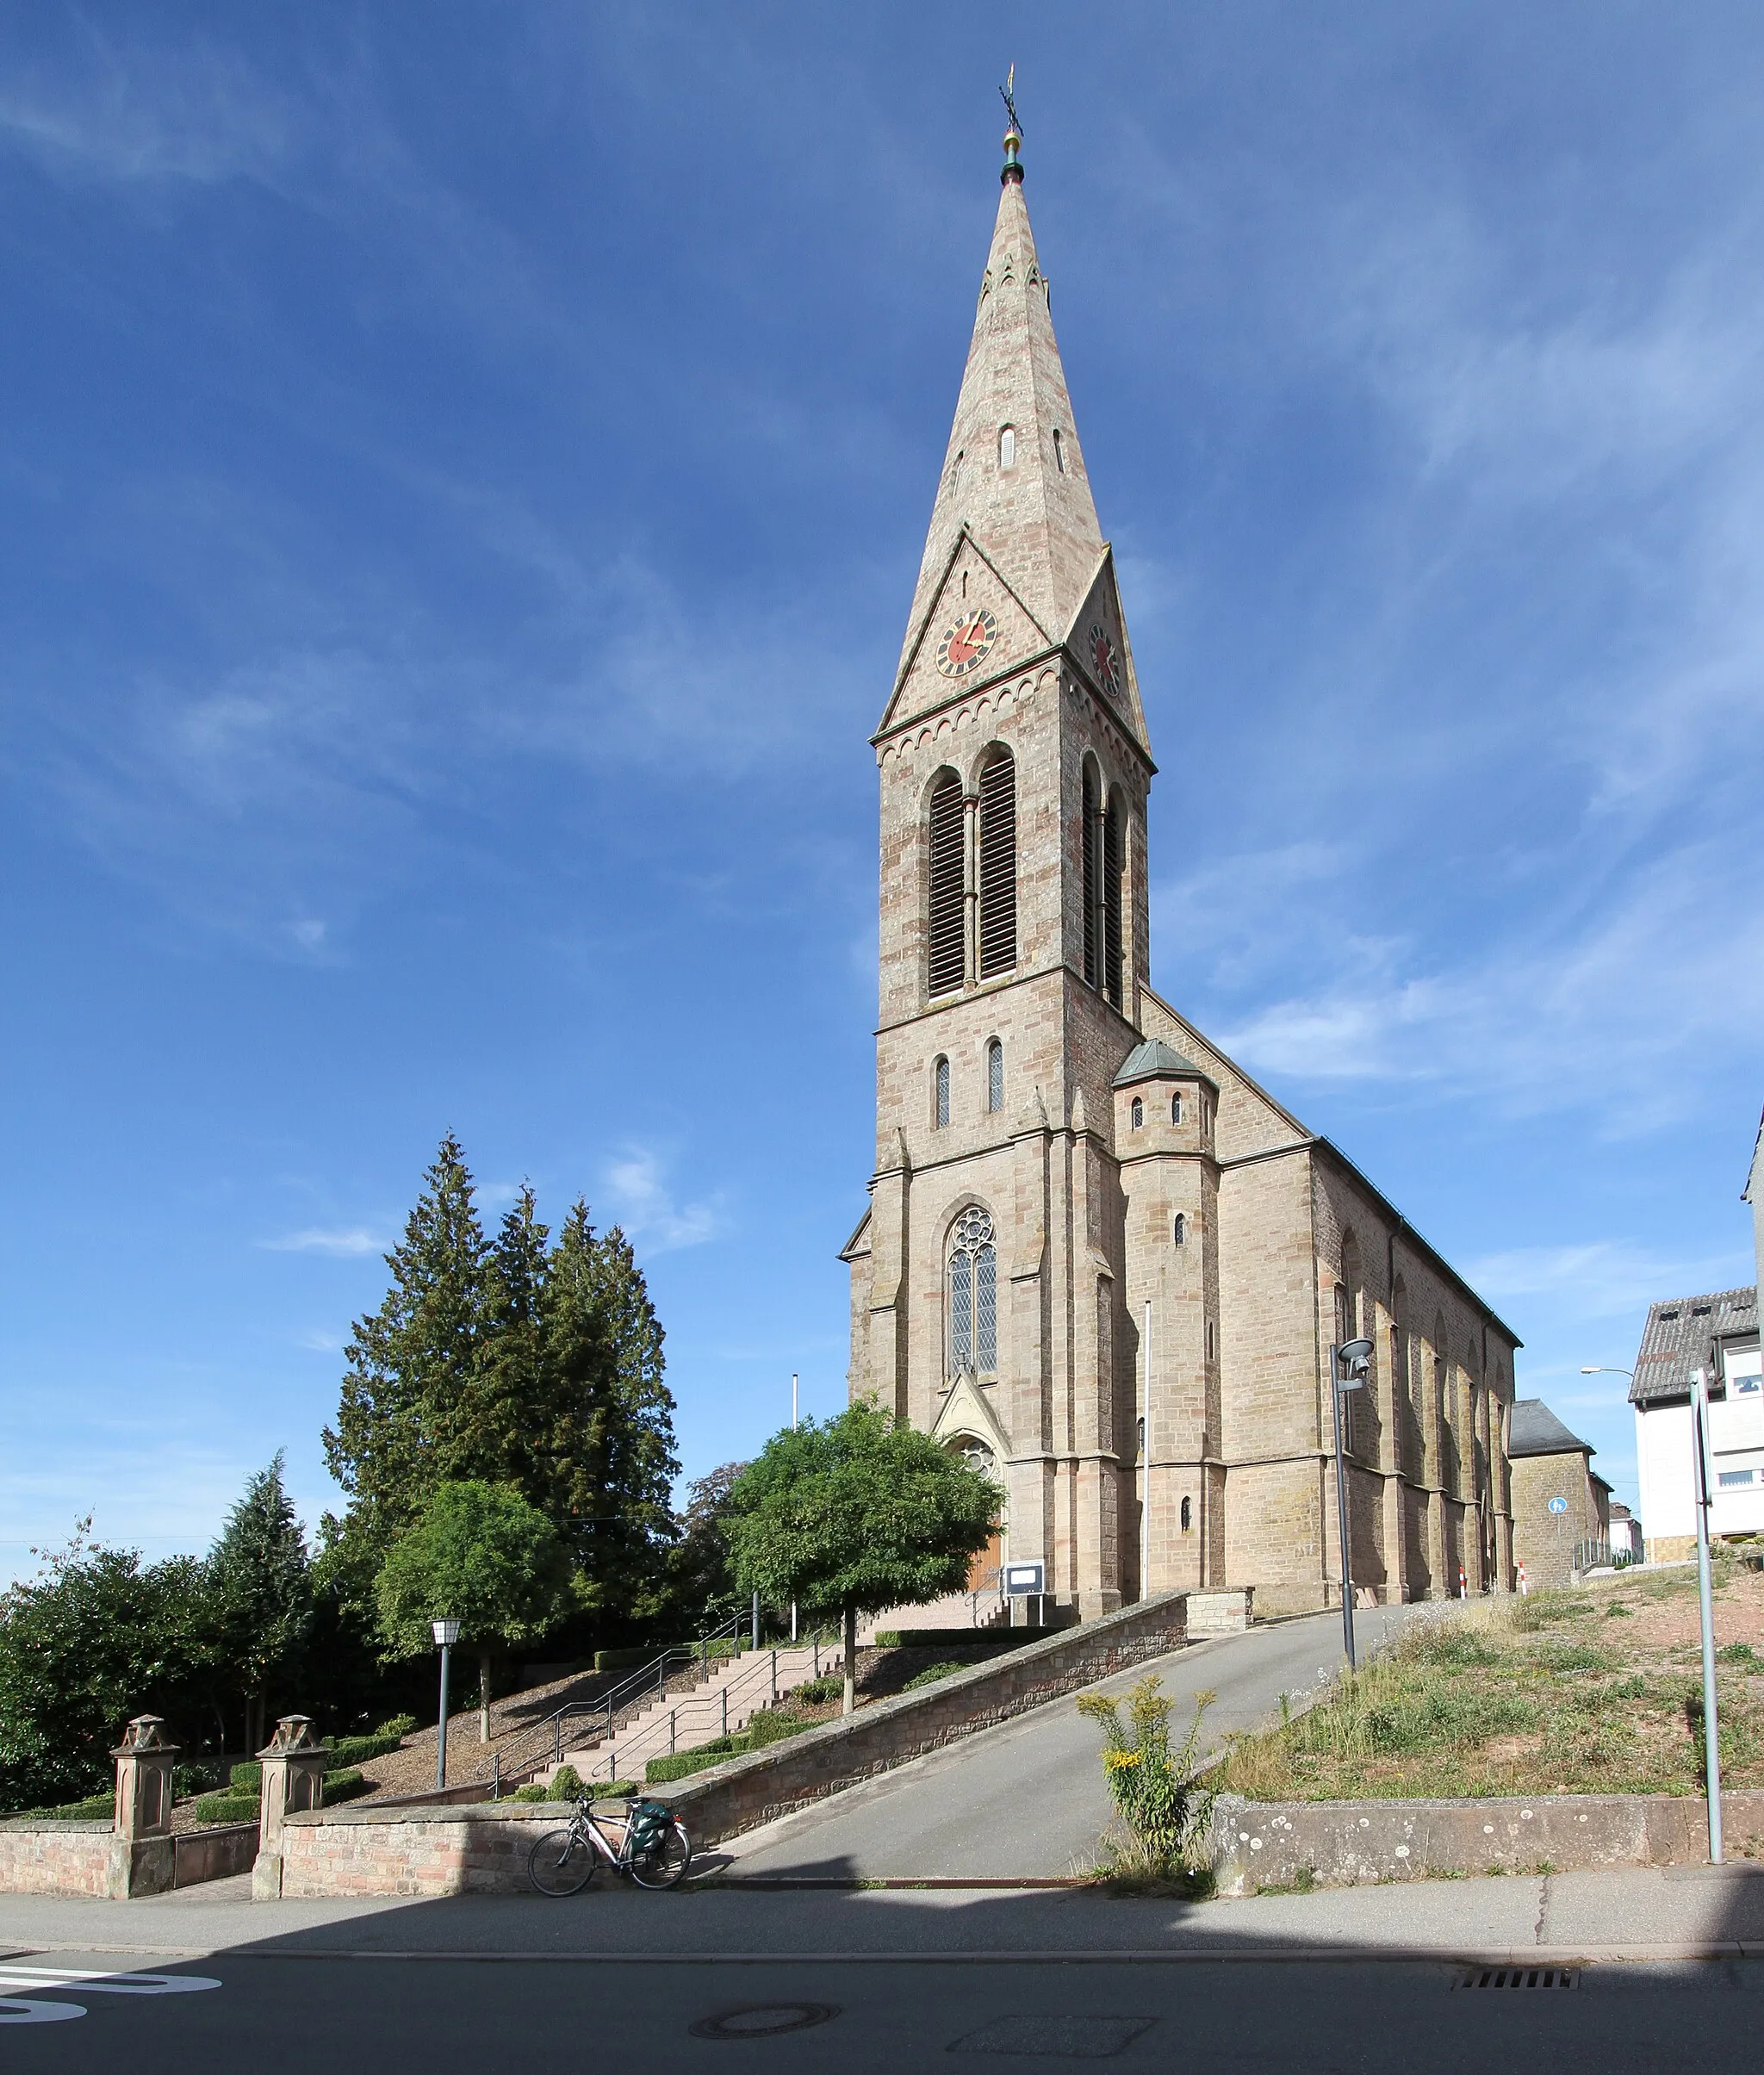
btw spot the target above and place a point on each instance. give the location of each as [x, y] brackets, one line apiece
[1099, 1260]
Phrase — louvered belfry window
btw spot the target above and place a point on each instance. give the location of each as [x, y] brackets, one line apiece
[946, 921]
[998, 866]
[1113, 862]
[1093, 963]
[973, 1295]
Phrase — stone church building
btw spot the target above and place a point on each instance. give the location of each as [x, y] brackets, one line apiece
[1098, 1258]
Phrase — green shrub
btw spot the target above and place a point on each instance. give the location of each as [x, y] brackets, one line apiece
[397, 1726]
[831, 1686]
[931, 1674]
[1162, 1807]
[1735, 1653]
[531, 1791]
[771, 1725]
[658, 1771]
[346, 1786]
[226, 1808]
[357, 1750]
[248, 1778]
[96, 1808]
[190, 1779]
[567, 1784]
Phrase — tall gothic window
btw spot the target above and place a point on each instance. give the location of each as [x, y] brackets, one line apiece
[973, 1295]
[939, 1093]
[1092, 873]
[945, 937]
[1059, 450]
[995, 1076]
[1114, 863]
[998, 872]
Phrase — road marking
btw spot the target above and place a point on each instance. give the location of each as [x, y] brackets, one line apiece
[108, 1980]
[17, 2010]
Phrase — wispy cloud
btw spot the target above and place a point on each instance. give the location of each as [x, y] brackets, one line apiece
[342, 1240]
[1599, 1278]
[648, 1210]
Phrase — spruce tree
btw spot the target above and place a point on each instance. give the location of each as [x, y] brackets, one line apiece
[409, 1366]
[612, 1416]
[260, 1578]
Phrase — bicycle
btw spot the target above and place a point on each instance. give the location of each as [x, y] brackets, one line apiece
[654, 1850]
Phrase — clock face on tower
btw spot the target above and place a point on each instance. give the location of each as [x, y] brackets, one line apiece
[967, 645]
[1104, 662]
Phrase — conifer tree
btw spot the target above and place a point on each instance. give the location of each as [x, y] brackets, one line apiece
[260, 1578]
[409, 1365]
[613, 1430]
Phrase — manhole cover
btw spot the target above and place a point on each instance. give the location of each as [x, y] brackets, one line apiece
[1076, 2038]
[763, 2020]
[1519, 1977]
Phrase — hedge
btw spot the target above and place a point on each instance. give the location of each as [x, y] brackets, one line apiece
[226, 1808]
[646, 1653]
[93, 1808]
[765, 1725]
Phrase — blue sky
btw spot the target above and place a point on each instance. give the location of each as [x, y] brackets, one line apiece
[463, 475]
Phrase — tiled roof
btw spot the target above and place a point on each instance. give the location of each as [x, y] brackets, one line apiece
[1680, 1336]
[1535, 1431]
[1152, 1060]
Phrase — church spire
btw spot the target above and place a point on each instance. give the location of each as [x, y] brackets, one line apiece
[1013, 473]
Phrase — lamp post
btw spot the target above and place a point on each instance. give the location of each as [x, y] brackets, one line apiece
[446, 1634]
[1711, 1739]
[793, 1429]
[1347, 1371]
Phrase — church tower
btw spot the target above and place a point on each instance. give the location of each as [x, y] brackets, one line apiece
[989, 1303]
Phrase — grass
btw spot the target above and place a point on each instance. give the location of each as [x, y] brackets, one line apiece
[1520, 1699]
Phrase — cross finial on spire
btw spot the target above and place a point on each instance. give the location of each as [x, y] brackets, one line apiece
[1013, 135]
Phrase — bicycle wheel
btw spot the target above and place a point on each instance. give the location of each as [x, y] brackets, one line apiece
[664, 1865]
[562, 1863]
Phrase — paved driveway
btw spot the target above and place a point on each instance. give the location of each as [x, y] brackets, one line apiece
[1027, 1798]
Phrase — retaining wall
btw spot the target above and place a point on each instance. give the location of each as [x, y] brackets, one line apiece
[91, 1859]
[1264, 1844]
[432, 1850]
[756, 1787]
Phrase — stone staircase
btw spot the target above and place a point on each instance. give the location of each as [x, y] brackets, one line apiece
[982, 1611]
[720, 1705]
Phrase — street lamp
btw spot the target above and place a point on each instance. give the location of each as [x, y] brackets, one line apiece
[446, 1634]
[1599, 1368]
[1347, 1371]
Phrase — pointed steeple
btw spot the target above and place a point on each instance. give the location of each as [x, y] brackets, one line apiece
[1026, 498]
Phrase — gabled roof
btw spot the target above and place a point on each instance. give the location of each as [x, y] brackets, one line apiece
[1535, 1431]
[1681, 1335]
[1153, 1060]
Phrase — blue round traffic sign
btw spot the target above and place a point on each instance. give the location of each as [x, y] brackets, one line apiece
[1558, 1506]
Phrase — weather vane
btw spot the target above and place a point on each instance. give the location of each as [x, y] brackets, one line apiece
[1006, 93]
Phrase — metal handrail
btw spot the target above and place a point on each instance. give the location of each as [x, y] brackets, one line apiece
[618, 1699]
[764, 1672]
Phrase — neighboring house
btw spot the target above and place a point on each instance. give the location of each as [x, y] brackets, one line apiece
[1626, 1533]
[1718, 1334]
[1549, 1464]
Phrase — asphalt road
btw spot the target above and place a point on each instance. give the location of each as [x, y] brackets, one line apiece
[1027, 1798]
[1362, 2015]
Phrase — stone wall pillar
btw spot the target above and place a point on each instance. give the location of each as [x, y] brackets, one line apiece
[140, 1845]
[293, 1779]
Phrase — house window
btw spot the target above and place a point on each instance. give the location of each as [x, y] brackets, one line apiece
[1006, 447]
[1188, 1515]
[1180, 1231]
[1138, 1113]
[1727, 1479]
[994, 1077]
[1175, 1109]
[939, 1095]
[973, 1295]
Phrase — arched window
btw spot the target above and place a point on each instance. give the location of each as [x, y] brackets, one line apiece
[973, 1295]
[1114, 864]
[945, 961]
[1175, 1109]
[939, 1093]
[1180, 1231]
[1188, 1515]
[998, 866]
[1089, 835]
[994, 1077]
[1059, 450]
[1006, 447]
[1138, 1113]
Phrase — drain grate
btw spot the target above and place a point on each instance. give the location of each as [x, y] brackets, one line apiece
[1519, 1978]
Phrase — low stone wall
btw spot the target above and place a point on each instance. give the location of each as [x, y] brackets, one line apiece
[61, 1859]
[1220, 1613]
[1273, 1844]
[757, 1786]
[436, 1849]
[214, 1854]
